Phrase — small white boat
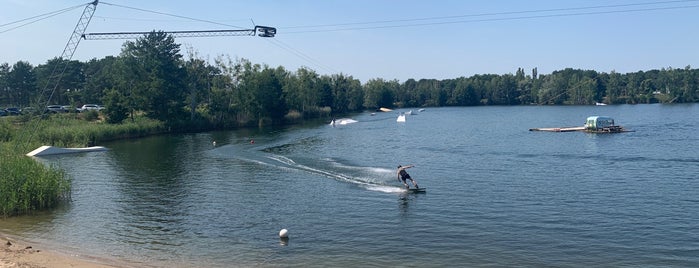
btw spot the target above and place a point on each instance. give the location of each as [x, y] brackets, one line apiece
[600, 104]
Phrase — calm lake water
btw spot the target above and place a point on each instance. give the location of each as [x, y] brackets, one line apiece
[497, 194]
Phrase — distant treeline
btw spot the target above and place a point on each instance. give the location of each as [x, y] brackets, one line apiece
[151, 77]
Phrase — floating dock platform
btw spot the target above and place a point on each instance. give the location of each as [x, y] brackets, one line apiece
[593, 124]
[558, 129]
[616, 129]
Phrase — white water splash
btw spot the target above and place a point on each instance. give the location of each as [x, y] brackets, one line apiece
[385, 188]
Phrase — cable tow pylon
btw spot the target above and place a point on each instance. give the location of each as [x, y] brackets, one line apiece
[59, 69]
[79, 30]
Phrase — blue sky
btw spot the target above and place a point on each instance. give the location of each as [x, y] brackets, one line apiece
[384, 38]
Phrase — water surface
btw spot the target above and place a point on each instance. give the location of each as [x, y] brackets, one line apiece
[498, 194]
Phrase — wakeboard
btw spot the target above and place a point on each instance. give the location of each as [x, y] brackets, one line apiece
[417, 190]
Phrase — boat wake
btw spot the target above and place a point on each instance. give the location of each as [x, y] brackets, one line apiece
[378, 179]
[332, 169]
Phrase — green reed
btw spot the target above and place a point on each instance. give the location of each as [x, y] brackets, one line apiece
[69, 131]
[27, 185]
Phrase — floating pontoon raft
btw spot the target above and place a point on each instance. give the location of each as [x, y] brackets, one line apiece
[593, 124]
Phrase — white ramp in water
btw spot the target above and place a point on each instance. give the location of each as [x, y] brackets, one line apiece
[50, 150]
[401, 118]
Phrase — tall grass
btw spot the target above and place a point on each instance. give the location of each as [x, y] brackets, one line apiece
[7, 130]
[67, 131]
[27, 185]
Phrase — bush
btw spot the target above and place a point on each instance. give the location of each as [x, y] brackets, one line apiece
[91, 115]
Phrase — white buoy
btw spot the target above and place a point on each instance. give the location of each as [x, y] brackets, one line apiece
[283, 233]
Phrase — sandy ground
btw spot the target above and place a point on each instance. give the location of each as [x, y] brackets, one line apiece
[17, 254]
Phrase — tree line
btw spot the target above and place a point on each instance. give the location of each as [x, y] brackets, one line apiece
[151, 77]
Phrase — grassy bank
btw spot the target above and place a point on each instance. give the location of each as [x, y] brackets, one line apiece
[27, 185]
[67, 130]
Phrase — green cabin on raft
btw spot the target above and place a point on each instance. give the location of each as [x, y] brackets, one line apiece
[598, 122]
[601, 124]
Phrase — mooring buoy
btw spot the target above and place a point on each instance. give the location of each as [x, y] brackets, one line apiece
[284, 233]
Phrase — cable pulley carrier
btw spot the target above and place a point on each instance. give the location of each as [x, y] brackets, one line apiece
[262, 31]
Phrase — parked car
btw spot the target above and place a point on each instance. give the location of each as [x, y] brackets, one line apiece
[3, 112]
[55, 109]
[12, 111]
[88, 107]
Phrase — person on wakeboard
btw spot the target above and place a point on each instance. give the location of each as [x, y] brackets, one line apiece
[403, 175]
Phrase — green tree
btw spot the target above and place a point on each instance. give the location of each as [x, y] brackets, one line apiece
[422, 95]
[117, 109]
[68, 76]
[21, 84]
[464, 93]
[503, 90]
[4, 88]
[355, 95]
[307, 90]
[197, 83]
[690, 88]
[222, 110]
[158, 75]
[346, 93]
[405, 95]
[100, 75]
[220, 107]
[243, 102]
[379, 93]
[265, 90]
[583, 92]
[615, 86]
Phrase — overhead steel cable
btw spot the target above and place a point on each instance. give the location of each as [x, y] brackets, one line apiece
[300, 54]
[277, 43]
[37, 18]
[172, 15]
[154, 20]
[492, 14]
[451, 21]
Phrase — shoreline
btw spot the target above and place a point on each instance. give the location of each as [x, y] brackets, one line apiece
[15, 253]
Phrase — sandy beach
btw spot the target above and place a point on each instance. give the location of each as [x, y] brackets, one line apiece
[18, 254]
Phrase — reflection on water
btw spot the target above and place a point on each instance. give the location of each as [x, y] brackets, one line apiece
[404, 202]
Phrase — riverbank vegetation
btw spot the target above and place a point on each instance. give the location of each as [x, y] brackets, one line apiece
[27, 185]
[72, 130]
[152, 77]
